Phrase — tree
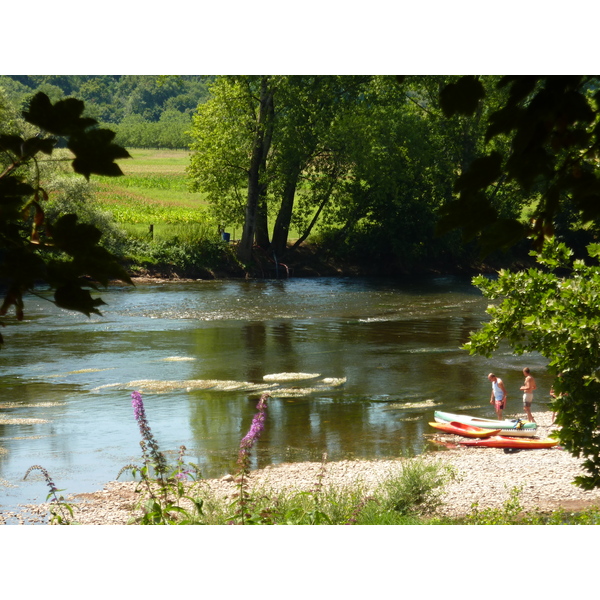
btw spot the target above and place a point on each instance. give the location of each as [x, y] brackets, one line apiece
[553, 126]
[258, 140]
[402, 155]
[255, 221]
[559, 317]
[64, 254]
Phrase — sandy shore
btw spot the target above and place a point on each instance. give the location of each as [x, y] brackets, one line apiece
[484, 475]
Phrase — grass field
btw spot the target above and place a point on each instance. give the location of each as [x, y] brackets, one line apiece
[153, 190]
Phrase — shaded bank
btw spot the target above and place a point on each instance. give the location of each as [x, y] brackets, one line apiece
[314, 260]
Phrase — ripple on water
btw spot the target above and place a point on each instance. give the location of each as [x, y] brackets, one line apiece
[32, 405]
[289, 376]
[23, 421]
[405, 405]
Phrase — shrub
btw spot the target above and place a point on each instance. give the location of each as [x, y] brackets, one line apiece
[417, 488]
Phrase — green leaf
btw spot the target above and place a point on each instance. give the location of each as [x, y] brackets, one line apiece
[462, 97]
[73, 297]
[63, 118]
[73, 237]
[34, 145]
[11, 143]
[95, 153]
[482, 172]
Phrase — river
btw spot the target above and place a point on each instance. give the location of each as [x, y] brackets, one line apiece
[355, 368]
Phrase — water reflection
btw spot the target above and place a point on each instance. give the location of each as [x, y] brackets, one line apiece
[377, 357]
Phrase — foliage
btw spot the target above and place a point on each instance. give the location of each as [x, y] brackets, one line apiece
[367, 161]
[417, 488]
[553, 125]
[162, 489]
[143, 110]
[509, 514]
[402, 497]
[257, 138]
[58, 506]
[512, 512]
[65, 253]
[554, 310]
[76, 195]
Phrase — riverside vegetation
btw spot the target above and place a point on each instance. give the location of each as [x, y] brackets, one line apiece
[174, 495]
[148, 218]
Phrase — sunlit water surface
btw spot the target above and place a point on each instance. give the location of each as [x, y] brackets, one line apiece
[355, 368]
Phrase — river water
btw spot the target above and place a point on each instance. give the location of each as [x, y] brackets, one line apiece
[355, 368]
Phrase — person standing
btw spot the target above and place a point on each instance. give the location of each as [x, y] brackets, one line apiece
[527, 389]
[498, 397]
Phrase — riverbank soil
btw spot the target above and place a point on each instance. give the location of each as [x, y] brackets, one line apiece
[485, 476]
[312, 260]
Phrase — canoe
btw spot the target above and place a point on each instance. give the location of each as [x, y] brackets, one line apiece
[469, 431]
[512, 427]
[501, 441]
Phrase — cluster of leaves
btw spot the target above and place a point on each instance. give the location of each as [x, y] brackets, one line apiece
[61, 512]
[367, 161]
[161, 488]
[64, 254]
[553, 125]
[554, 310]
[167, 496]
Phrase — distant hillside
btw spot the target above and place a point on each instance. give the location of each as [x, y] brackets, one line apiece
[143, 110]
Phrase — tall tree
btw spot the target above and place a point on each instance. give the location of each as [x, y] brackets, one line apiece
[275, 131]
[553, 124]
[255, 222]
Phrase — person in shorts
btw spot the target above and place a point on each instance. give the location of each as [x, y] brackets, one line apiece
[498, 397]
[527, 389]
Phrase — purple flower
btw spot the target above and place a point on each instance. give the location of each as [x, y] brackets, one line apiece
[138, 406]
[255, 431]
[139, 413]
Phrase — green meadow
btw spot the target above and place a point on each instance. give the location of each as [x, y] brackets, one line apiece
[153, 191]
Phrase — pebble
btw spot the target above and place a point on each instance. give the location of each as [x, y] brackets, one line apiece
[484, 476]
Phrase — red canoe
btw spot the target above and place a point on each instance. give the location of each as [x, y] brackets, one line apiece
[501, 441]
[465, 430]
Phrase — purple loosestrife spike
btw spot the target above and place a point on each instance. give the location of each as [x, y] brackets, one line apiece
[140, 416]
[255, 431]
[138, 406]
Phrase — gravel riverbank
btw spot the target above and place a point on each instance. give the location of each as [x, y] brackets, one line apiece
[485, 476]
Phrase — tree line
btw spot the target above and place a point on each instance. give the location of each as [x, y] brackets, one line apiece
[367, 161]
[143, 110]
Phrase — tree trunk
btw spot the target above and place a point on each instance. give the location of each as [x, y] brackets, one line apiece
[284, 217]
[256, 190]
[261, 230]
